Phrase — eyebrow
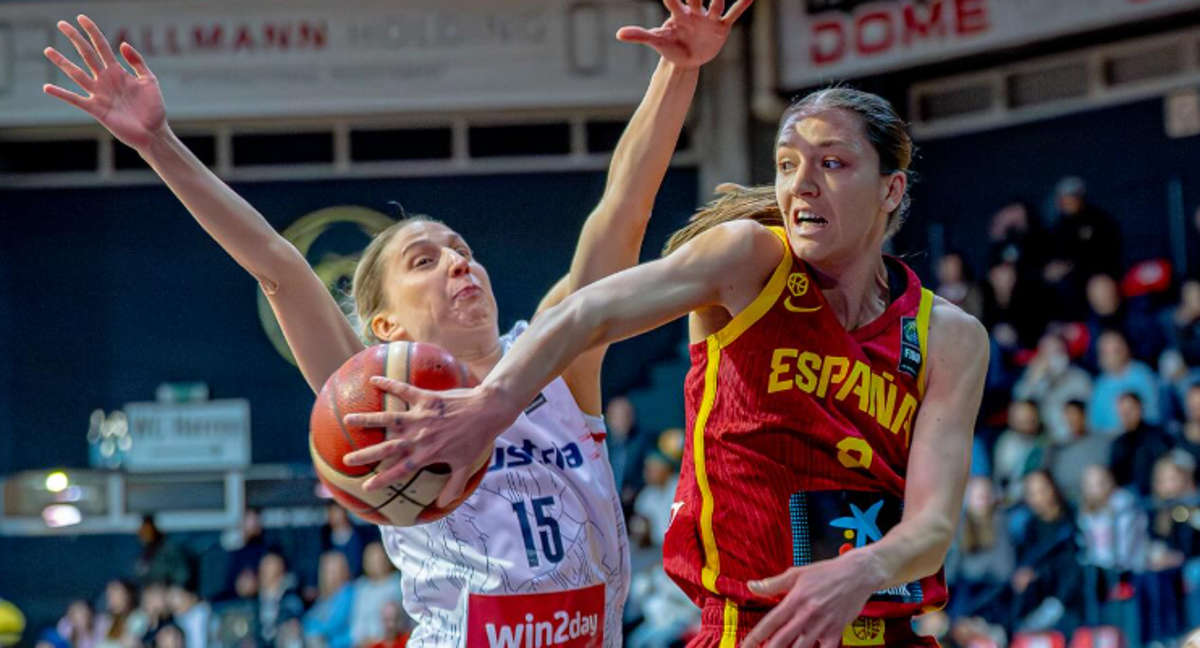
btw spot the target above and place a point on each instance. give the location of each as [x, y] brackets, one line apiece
[823, 144]
[455, 238]
[411, 244]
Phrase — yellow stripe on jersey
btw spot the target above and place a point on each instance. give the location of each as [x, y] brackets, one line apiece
[717, 341]
[923, 335]
[765, 300]
[729, 631]
[712, 563]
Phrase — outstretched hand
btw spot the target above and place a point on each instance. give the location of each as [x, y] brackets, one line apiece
[815, 603]
[455, 427]
[130, 106]
[692, 35]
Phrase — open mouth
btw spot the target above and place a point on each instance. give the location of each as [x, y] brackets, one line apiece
[808, 220]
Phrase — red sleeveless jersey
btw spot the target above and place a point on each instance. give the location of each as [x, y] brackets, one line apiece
[797, 449]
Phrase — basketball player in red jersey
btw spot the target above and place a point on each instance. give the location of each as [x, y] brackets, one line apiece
[831, 398]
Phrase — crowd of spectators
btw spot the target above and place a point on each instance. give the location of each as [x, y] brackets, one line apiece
[355, 601]
[1082, 509]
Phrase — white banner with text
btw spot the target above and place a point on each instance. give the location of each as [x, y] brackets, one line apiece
[260, 58]
[822, 41]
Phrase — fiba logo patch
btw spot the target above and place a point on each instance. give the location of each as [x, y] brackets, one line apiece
[910, 347]
[343, 233]
[797, 284]
[864, 632]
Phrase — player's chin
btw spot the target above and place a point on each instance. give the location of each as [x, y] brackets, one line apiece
[478, 313]
[808, 248]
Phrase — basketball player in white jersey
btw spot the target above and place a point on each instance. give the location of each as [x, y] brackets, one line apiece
[537, 556]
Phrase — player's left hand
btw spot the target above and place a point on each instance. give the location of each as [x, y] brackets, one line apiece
[818, 602]
[693, 35]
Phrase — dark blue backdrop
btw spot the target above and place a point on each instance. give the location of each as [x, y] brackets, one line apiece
[105, 293]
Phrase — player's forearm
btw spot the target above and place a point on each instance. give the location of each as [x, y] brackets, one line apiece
[912, 550]
[641, 158]
[227, 217]
[611, 239]
[553, 340]
[613, 309]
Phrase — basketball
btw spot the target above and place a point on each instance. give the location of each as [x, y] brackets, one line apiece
[349, 391]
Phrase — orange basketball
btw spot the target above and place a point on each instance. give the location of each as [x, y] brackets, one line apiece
[349, 391]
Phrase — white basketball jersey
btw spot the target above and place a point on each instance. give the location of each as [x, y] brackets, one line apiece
[538, 555]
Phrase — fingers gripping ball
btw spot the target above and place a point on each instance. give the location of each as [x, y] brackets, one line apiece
[349, 391]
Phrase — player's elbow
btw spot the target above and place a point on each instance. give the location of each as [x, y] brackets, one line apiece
[588, 317]
[276, 266]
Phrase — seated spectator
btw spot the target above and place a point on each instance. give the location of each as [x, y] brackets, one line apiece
[235, 620]
[633, 443]
[1050, 381]
[1186, 321]
[327, 624]
[278, 598]
[982, 559]
[956, 286]
[1120, 374]
[1138, 320]
[121, 624]
[191, 614]
[1048, 580]
[1011, 309]
[378, 586]
[654, 502]
[1020, 450]
[78, 627]
[1069, 460]
[667, 612]
[155, 609]
[161, 560]
[1115, 539]
[168, 636]
[1137, 448]
[340, 534]
[396, 627]
[249, 551]
[1190, 429]
[1175, 378]
[1174, 510]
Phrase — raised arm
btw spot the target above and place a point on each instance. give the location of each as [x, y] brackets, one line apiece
[131, 107]
[820, 600]
[611, 239]
[449, 426]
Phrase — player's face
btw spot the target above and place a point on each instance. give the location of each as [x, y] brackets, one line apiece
[834, 200]
[434, 284]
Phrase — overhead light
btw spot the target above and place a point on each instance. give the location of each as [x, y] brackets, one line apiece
[57, 481]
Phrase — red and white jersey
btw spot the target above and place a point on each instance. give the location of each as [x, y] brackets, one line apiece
[538, 555]
[798, 446]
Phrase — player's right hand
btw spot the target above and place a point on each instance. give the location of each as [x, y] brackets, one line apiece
[692, 35]
[130, 106]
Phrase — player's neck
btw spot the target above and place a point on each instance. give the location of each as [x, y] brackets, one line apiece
[856, 291]
[480, 350]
